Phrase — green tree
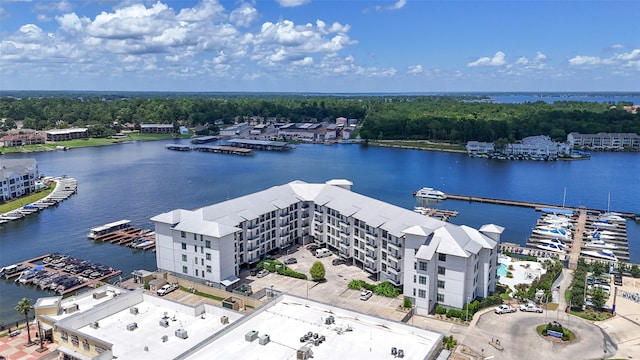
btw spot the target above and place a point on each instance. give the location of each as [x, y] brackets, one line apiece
[635, 271]
[598, 297]
[597, 268]
[24, 307]
[317, 271]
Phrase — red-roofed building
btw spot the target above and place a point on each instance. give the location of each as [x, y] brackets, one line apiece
[23, 139]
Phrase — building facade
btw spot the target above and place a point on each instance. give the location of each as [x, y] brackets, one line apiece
[605, 141]
[211, 244]
[66, 134]
[17, 178]
[156, 128]
[23, 139]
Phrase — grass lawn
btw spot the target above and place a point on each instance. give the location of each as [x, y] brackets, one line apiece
[26, 200]
[420, 145]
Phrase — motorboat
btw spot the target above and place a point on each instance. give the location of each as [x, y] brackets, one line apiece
[609, 216]
[605, 224]
[599, 236]
[601, 244]
[553, 232]
[552, 247]
[554, 241]
[430, 193]
[601, 254]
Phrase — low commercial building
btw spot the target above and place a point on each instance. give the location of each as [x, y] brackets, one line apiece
[212, 243]
[234, 129]
[111, 323]
[66, 134]
[303, 131]
[17, 178]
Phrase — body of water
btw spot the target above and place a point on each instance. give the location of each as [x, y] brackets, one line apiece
[139, 180]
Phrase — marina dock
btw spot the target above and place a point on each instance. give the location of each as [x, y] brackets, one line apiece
[210, 148]
[70, 273]
[135, 238]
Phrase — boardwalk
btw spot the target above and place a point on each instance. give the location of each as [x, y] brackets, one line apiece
[574, 255]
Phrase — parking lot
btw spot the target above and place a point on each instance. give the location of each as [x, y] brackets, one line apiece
[333, 291]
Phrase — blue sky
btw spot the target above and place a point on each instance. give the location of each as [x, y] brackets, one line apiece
[320, 45]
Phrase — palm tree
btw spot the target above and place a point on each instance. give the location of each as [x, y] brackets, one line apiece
[24, 307]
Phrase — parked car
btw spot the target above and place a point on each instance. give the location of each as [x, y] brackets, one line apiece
[254, 271]
[290, 261]
[530, 308]
[313, 247]
[262, 273]
[504, 308]
[338, 261]
[165, 289]
[617, 279]
[366, 295]
[324, 252]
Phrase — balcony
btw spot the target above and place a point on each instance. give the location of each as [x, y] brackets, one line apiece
[372, 244]
[371, 255]
[396, 255]
[305, 214]
[344, 253]
[371, 237]
[370, 267]
[318, 227]
[344, 229]
[393, 246]
[252, 226]
[394, 268]
[395, 280]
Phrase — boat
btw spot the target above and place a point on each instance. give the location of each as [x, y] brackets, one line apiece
[554, 233]
[600, 236]
[554, 241]
[430, 193]
[611, 217]
[554, 227]
[551, 247]
[605, 224]
[601, 254]
[601, 244]
[108, 228]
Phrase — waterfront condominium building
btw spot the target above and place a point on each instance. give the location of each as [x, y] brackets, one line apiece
[17, 177]
[436, 263]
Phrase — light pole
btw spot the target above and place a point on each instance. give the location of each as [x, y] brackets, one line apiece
[468, 301]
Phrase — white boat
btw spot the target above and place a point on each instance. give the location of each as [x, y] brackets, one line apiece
[611, 217]
[605, 224]
[430, 193]
[551, 247]
[108, 228]
[601, 254]
[553, 233]
[144, 244]
[554, 227]
[599, 236]
[554, 241]
[554, 219]
[600, 244]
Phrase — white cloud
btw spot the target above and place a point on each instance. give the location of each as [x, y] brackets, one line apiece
[206, 10]
[617, 46]
[54, 6]
[69, 23]
[396, 6]
[417, 69]
[497, 60]
[292, 3]
[244, 16]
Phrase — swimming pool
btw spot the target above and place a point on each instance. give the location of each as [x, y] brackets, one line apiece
[502, 270]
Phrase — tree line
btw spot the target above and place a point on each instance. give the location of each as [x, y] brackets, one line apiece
[455, 119]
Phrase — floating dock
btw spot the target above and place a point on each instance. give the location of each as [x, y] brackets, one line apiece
[260, 144]
[436, 213]
[65, 187]
[135, 238]
[214, 149]
[204, 139]
[63, 267]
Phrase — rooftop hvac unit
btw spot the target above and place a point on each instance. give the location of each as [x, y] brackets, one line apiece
[264, 339]
[71, 308]
[330, 320]
[181, 333]
[304, 353]
[251, 335]
[99, 294]
[164, 322]
[164, 338]
[132, 326]
[224, 320]
[400, 353]
[134, 310]
[94, 325]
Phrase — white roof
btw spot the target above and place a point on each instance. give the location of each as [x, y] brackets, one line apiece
[291, 318]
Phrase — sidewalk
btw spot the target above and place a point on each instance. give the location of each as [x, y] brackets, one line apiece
[15, 348]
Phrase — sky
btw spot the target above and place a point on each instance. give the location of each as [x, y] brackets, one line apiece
[325, 46]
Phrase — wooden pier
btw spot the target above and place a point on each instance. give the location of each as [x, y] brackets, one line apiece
[127, 236]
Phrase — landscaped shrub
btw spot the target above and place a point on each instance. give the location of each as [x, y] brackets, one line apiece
[406, 303]
[449, 342]
[455, 313]
[441, 310]
[386, 289]
[280, 268]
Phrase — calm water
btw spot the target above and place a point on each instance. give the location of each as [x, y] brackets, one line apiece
[139, 180]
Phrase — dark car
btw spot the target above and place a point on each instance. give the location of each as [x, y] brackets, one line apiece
[254, 272]
[338, 261]
[290, 261]
[313, 247]
[617, 279]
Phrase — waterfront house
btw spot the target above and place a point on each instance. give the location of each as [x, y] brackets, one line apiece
[605, 141]
[212, 243]
[17, 178]
[34, 138]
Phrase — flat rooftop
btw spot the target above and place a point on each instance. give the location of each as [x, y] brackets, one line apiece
[352, 336]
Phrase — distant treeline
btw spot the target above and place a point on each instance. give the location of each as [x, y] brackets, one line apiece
[455, 119]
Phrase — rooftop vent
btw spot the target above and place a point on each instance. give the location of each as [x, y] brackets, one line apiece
[264, 339]
[224, 320]
[94, 325]
[132, 326]
[134, 310]
[164, 322]
[181, 333]
[251, 335]
[99, 294]
[164, 338]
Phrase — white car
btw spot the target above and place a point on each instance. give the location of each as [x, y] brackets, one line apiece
[366, 295]
[504, 308]
[165, 289]
[530, 308]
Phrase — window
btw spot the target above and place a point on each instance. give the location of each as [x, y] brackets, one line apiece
[441, 284]
[184, 246]
[441, 270]
[208, 268]
[207, 244]
[440, 298]
[64, 336]
[422, 293]
[183, 234]
[442, 257]
[423, 265]
[208, 255]
[423, 280]
[185, 270]
[195, 248]
[201, 261]
[196, 272]
[184, 257]
[195, 260]
[195, 237]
